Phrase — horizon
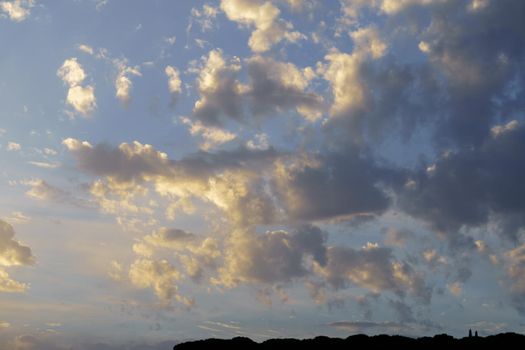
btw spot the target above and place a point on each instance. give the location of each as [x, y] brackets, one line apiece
[175, 170]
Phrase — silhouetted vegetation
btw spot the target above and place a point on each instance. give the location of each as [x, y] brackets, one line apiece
[441, 341]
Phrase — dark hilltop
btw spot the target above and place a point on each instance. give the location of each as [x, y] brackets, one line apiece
[441, 341]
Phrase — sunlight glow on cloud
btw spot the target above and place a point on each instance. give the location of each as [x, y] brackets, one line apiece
[194, 169]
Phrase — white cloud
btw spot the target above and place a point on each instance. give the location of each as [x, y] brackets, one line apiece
[204, 17]
[259, 142]
[86, 49]
[174, 82]
[17, 10]
[82, 99]
[160, 276]
[71, 72]
[499, 130]
[344, 72]
[264, 16]
[12, 253]
[45, 165]
[18, 217]
[13, 146]
[212, 136]
[49, 152]
[123, 82]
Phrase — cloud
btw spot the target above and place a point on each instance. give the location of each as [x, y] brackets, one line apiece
[85, 49]
[273, 86]
[18, 217]
[45, 165]
[476, 70]
[281, 86]
[212, 136]
[259, 142]
[219, 89]
[204, 17]
[399, 238]
[388, 327]
[81, 98]
[455, 288]
[471, 187]
[13, 146]
[264, 17]
[272, 257]
[17, 10]
[375, 269]
[199, 256]
[515, 270]
[43, 191]
[159, 275]
[230, 180]
[174, 83]
[12, 253]
[71, 72]
[123, 82]
[328, 186]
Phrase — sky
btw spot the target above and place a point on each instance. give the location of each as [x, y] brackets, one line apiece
[175, 170]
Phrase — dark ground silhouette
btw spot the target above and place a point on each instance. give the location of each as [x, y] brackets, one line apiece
[441, 341]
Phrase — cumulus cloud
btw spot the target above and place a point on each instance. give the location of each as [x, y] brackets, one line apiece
[276, 86]
[174, 83]
[13, 146]
[17, 10]
[81, 98]
[158, 275]
[123, 83]
[219, 89]
[344, 72]
[472, 186]
[273, 86]
[71, 72]
[328, 186]
[375, 269]
[272, 257]
[264, 17]
[477, 71]
[228, 179]
[212, 136]
[12, 253]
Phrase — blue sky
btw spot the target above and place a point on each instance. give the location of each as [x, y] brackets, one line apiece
[175, 170]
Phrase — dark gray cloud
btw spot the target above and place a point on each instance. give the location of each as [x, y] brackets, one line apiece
[480, 51]
[134, 161]
[334, 185]
[468, 187]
